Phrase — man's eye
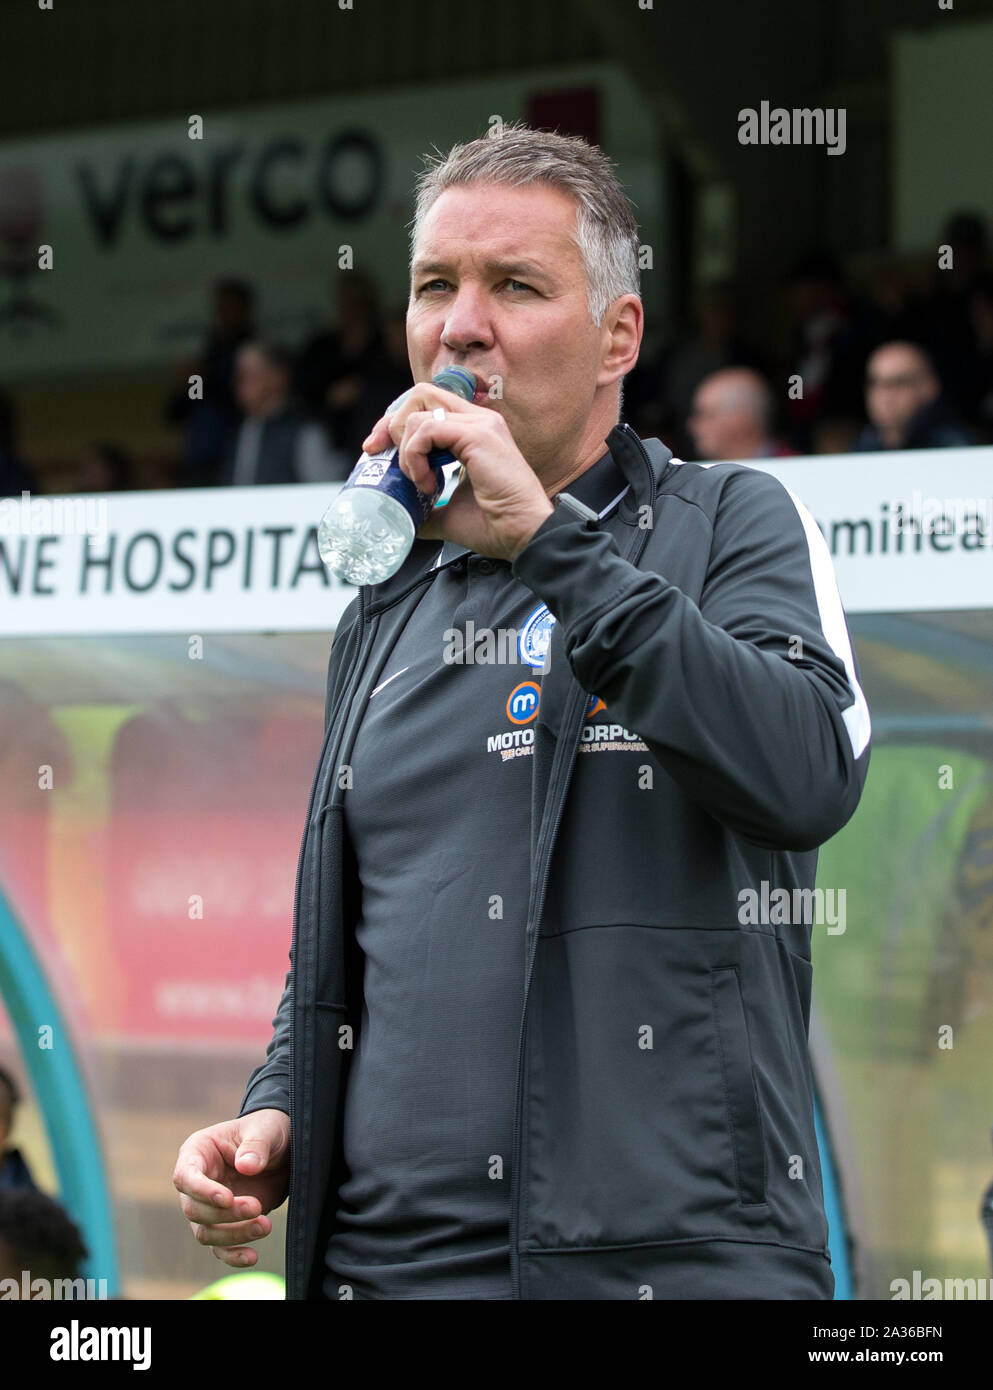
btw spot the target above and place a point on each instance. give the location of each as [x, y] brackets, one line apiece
[431, 284]
[518, 284]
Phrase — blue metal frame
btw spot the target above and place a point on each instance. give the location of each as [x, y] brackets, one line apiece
[833, 1206]
[59, 1085]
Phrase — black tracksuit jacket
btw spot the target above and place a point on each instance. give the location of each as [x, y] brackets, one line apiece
[664, 1135]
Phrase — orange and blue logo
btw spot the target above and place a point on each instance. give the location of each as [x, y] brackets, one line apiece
[522, 702]
[595, 706]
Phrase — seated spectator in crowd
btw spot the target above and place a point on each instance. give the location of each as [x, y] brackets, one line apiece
[334, 366]
[37, 1236]
[14, 1171]
[715, 343]
[658, 392]
[105, 467]
[833, 330]
[275, 442]
[732, 417]
[210, 421]
[904, 403]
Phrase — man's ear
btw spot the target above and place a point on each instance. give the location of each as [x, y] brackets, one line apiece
[621, 334]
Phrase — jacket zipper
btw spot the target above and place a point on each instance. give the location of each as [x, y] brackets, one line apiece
[578, 696]
[578, 699]
[292, 1242]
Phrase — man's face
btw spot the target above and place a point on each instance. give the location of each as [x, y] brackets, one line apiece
[898, 383]
[259, 383]
[718, 426]
[498, 286]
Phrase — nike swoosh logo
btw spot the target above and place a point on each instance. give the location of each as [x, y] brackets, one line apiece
[387, 681]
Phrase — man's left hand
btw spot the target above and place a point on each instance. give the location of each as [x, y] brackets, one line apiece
[499, 502]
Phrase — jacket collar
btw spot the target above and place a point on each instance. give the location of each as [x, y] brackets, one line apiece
[642, 465]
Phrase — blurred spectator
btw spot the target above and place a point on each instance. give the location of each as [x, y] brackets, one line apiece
[385, 380]
[335, 364]
[732, 417]
[833, 331]
[209, 421]
[14, 1171]
[714, 342]
[888, 284]
[105, 467]
[904, 403]
[37, 1235]
[15, 476]
[658, 393]
[275, 442]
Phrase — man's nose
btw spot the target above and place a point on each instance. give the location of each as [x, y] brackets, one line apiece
[468, 323]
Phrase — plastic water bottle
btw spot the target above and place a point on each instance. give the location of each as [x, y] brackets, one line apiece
[367, 532]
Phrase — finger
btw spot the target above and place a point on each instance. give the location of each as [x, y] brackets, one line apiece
[429, 430]
[422, 475]
[243, 1209]
[189, 1177]
[414, 446]
[425, 396]
[239, 1255]
[232, 1233]
[378, 437]
[252, 1155]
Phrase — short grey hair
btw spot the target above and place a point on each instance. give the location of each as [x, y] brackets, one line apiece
[606, 230]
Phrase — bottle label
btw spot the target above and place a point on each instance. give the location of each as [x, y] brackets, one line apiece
[371, 469]
[382, 472]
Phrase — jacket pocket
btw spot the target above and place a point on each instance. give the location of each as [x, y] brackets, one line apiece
[741, 1094]
[325, 925]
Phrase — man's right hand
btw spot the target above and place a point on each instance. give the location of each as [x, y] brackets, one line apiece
[229, 1176]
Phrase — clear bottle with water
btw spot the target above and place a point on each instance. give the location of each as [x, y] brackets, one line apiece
[367, 532]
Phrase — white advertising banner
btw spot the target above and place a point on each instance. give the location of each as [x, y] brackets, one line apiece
[907, 532]
[191, 560]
